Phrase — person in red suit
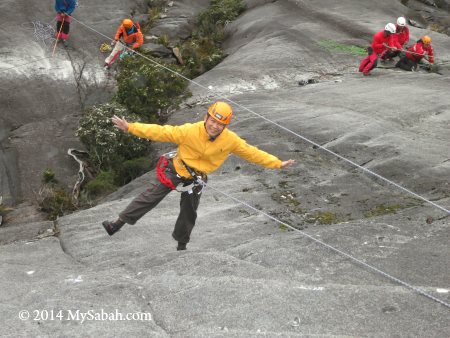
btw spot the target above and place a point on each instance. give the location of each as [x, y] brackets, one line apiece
[382, 40]
[417, 53]
[401, 38]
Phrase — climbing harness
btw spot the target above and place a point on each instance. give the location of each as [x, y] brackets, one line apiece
[197, 183]
[198, 180]
[161, 167]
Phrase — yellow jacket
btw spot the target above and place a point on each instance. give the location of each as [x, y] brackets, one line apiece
[198, 151]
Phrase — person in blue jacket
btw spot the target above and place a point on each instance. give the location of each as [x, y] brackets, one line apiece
[64, 10]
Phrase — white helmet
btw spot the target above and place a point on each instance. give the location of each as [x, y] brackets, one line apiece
[390, 27]
[401, 21]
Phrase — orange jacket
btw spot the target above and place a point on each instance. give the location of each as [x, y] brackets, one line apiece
[133, 40]
[198, 151]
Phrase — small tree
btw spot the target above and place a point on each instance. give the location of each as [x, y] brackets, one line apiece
[148, 90]
[103, 184]
[203, 51]
[212, 20]
[131, 169]
[108, 147]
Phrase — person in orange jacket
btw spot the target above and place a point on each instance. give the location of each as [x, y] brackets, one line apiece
[415, 54]
[401, 38]
[202, 149]
[132, 37]
[381, 41]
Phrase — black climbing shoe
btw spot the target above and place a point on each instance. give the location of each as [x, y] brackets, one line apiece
[181, 246]
[112, 227]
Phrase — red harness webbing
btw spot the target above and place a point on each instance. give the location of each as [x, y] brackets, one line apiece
[160, 168]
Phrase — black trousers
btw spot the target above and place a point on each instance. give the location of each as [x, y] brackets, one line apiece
[151, 197]
[406, 64]
[65, 27]
[389, 54]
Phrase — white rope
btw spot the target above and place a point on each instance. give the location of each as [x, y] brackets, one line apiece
[280, 126]
[43, 32]
[340, 252]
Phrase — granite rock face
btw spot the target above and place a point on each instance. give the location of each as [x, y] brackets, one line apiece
[243, 274]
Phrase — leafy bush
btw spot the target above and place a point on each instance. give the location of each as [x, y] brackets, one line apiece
[164, 40]
[211, 21]
[48, 176]
[131, 169]
[103, 184]
[55, 201]
[108, 147]
[200, 55]
[3, 208]
[148, 90]
[203, 51]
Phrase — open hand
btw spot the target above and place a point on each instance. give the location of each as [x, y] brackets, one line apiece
[287, 164]
[120, 123]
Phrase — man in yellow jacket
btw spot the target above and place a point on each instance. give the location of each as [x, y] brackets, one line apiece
[202, 148]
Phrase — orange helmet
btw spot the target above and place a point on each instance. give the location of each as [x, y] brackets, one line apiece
[426, 39]
[221, 112]
[127, 23]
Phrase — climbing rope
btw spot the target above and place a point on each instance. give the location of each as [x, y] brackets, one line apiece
[43, 32]
[105, 47]
[59, 34]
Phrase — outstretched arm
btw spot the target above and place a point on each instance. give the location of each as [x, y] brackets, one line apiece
[253, 154]
[120, 123]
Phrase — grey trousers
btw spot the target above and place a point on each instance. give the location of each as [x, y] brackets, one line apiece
[150, 198]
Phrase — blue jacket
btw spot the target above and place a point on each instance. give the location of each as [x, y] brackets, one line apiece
[66, 6]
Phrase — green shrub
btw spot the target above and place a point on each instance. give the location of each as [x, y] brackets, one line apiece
[131, 169]
[55, 201]
[211, 21]
[164, 40]
[148, 90]
[102, 185]
[203, 51]
[200, 55]
[108, 147]
[48, 176]
[153, 16]
[3, 208]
